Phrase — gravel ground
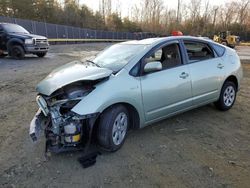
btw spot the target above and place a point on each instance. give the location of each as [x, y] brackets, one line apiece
[244, 52]
[200, 148]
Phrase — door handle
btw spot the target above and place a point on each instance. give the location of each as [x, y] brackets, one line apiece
[220, 66]
[184, 75]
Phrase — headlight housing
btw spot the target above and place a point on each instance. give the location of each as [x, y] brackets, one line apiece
[28, 41]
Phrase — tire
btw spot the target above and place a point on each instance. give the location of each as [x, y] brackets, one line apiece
[42, 54]
[17, 52]
[113, 128]
[227, 96]
[2, 55]
[224, 43]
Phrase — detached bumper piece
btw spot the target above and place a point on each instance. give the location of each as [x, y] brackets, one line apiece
[38, 123]
[88, 159]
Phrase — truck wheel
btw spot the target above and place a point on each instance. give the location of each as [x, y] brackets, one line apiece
[42, 54]
[113, 127]
[227, 96]
[224, 43]
[2, 54]
[17, 52]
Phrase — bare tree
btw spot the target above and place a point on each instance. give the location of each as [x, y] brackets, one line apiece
[195, 9]
[178, 11]
[243, 11]
[105, 7]
[214, 12]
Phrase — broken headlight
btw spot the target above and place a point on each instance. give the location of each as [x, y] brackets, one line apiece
[42, 104]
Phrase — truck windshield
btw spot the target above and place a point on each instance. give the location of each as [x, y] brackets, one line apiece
[13, 28]
[118, 55]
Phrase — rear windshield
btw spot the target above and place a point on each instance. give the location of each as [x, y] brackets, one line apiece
[13, 28]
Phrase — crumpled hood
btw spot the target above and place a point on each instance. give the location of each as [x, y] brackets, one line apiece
[69, 73]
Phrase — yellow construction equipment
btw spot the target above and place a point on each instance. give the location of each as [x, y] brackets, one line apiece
[227, 39]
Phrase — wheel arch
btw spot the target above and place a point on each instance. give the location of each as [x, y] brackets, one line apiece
[14, 42]
[133, 112]
[233, 78]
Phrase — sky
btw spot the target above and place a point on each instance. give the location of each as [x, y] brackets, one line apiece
[126, 5]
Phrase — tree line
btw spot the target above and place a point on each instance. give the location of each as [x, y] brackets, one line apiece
[198, 17]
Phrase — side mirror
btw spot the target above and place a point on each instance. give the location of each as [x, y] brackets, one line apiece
[153, 66]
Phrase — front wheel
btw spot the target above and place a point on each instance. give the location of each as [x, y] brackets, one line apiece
[113, 127]
[41, 54]
[17, 52]
[227, 96]
[2, 54]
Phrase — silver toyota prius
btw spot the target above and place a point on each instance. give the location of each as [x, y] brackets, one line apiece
[130, 85]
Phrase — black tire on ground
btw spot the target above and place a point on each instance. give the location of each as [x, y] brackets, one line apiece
[41, 54]
[113, 128]
[227, 96]
[224, 43]
[2, 55]
[17, 52]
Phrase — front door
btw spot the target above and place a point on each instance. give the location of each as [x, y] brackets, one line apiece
[169, 90]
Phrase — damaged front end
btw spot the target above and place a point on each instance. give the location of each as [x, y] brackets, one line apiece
[64, 130]
[58, 93]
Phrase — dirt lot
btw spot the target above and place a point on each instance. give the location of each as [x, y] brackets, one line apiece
[200, 148]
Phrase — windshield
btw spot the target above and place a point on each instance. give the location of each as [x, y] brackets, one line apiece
[13, 28]
[117, 56]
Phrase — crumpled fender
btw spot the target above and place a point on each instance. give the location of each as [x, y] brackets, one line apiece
[118, 89]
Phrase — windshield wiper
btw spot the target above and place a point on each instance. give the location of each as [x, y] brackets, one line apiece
[93, 63]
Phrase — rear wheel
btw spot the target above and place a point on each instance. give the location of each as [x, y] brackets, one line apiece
[227, 96]
[17, 52]
[113, 127]
[41, 54]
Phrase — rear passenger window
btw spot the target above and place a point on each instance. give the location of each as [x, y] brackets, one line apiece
[198, 51]
[220, 50]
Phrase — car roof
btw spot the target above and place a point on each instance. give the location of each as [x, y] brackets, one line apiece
[154, 41]
[143, 41]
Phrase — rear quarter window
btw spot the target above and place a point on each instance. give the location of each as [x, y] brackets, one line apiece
[220, 50]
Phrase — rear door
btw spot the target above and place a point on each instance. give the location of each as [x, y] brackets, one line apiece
[206, 70]
[167, 91]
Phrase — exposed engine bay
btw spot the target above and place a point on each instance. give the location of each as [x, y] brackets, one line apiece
[64, 130]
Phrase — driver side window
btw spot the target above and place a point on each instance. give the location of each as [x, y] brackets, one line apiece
[169, 56]
[156, 56]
